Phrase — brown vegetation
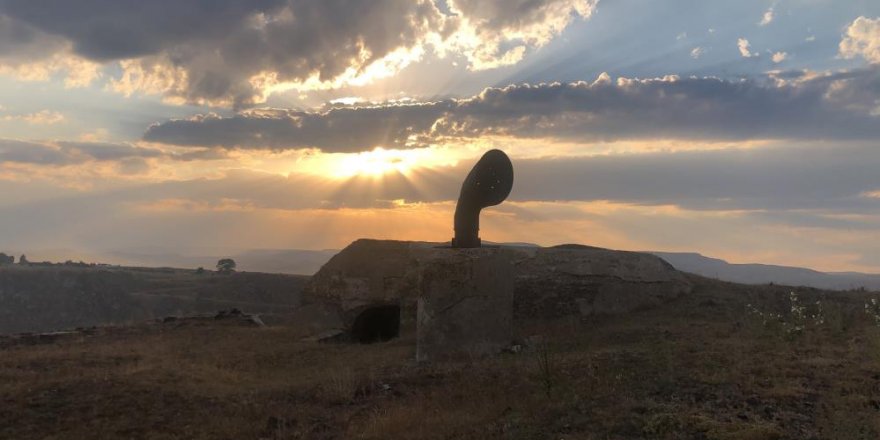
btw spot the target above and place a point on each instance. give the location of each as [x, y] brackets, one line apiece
[41, 298]
[702, 367]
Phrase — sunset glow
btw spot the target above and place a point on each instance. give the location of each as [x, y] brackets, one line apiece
[376, 163]
[734, 130]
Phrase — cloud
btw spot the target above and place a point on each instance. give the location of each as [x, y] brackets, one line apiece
[133, 166]
[42, 117]
[69, 153]
[32, 153]
[778, 178]
[108, 151]
[344, 129]
[21, 41]
[744, 48]
[862, 39]
[494, 33]
[236, 53]
[697, 52]
[31, 54]
[820, 176]
[122, 29]
[767, 18]
[793, 105]
[779, 57]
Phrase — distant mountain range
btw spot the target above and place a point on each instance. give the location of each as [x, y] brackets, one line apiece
[307, 262]
[765, 273]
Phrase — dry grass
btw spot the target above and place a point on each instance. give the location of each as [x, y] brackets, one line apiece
[696, 369]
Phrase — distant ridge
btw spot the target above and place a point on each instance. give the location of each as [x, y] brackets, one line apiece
[286, 261]
[765, 273]
[307, 262]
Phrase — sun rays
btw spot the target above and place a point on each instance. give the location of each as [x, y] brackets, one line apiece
[375, 163]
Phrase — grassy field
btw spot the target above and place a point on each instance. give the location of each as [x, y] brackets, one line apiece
[43, 298]
[707, 366]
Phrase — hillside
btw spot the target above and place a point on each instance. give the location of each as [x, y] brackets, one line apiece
[699, 367]
[289, 261]
[51, 298]
[765, 273]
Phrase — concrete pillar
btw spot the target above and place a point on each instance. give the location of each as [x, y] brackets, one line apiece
[465, 307]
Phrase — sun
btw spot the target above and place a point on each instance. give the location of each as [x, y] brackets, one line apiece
[375, 163]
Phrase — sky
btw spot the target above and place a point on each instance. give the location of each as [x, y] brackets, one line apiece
[746, 130]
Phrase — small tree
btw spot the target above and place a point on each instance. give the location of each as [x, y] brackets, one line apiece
[23, 259]
[226, 265]
[200, 270]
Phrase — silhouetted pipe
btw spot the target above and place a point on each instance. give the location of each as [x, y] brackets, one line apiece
[488, 184]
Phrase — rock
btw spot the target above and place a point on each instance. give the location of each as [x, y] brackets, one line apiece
[465, 304]
[328, 336]
[238, 315]
[256, 320]
[513, 349]
[229, 314]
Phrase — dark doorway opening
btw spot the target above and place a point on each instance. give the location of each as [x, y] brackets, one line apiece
[376, 324]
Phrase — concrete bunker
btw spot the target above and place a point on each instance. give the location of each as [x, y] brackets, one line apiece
[377, 323]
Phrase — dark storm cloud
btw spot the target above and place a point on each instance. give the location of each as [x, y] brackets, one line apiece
[118, 29]
[230, 52]
[23, 42]
[840, 106]
[221, 45]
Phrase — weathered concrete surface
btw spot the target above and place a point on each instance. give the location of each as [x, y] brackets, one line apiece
[574, 279]
[368, 272]
[548, 282]
[465, 304]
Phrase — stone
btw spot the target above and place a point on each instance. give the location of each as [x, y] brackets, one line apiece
[465, 305]
[328, 336]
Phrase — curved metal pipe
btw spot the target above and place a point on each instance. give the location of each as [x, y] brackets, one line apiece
[488, 184]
